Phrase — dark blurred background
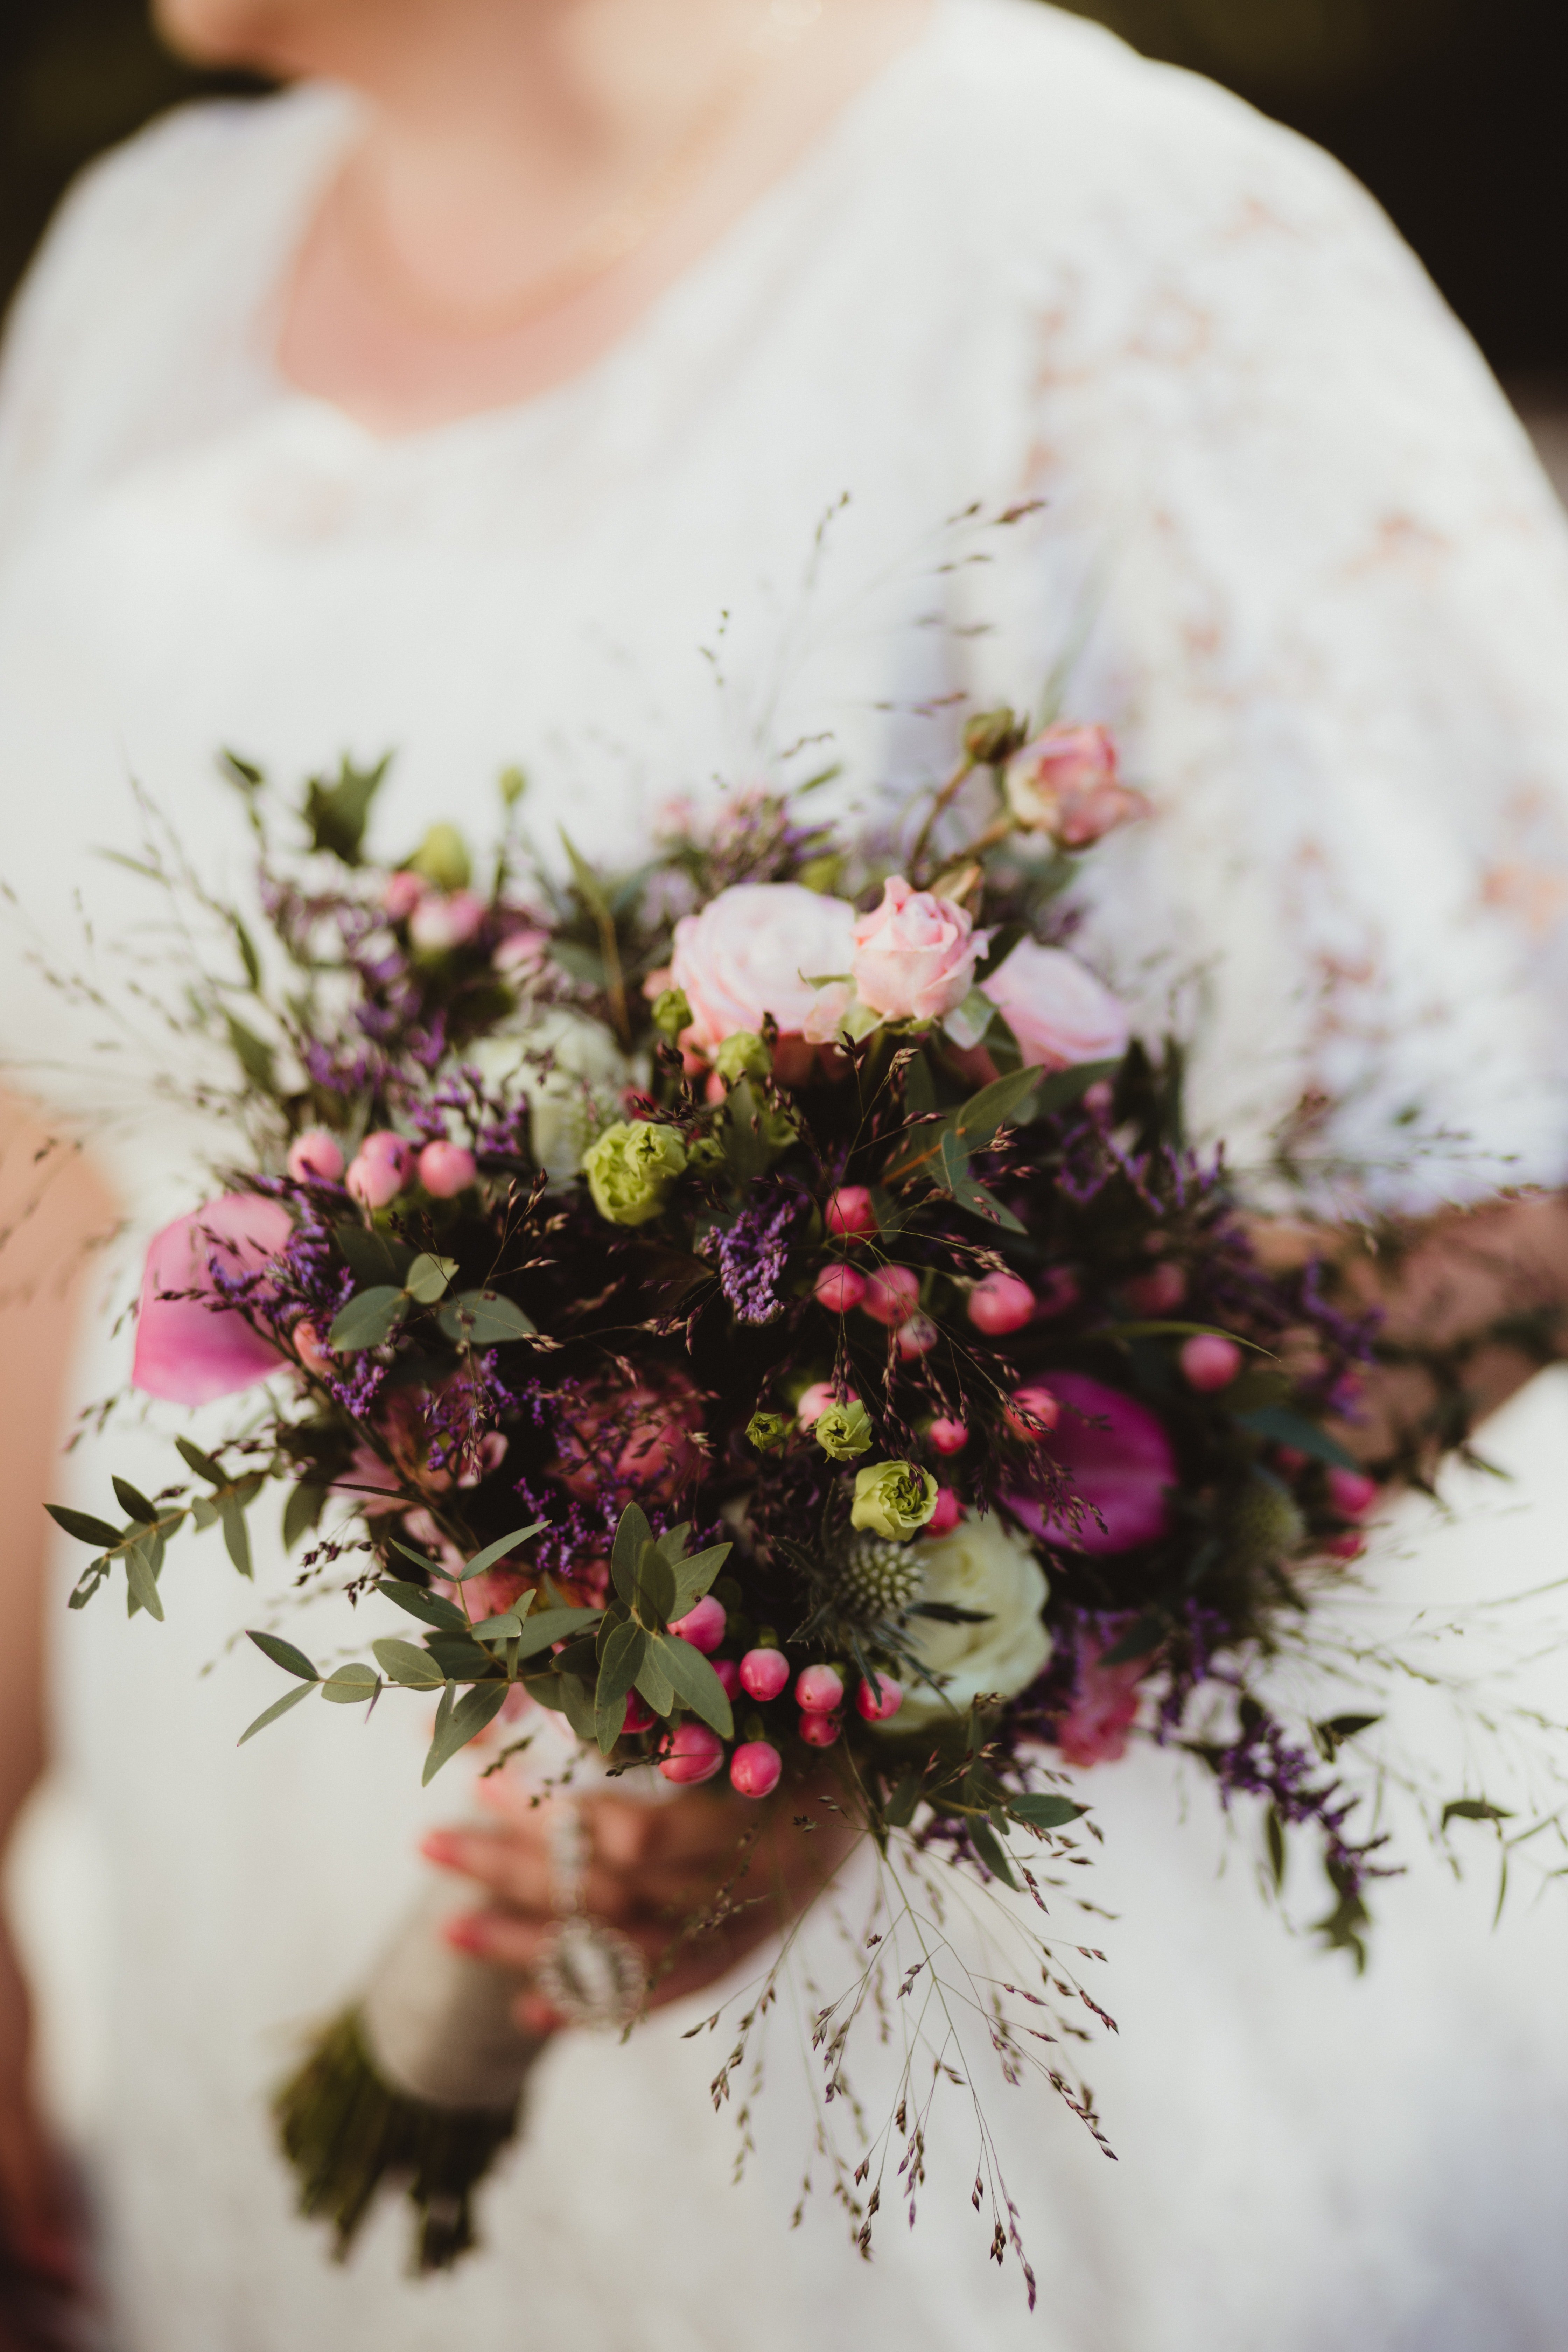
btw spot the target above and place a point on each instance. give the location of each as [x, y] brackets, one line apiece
[1450, 110]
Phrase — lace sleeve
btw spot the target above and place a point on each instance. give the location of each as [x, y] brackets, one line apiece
[1335, 597]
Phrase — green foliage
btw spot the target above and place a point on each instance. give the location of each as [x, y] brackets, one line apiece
[485, 1318]
[337, 814]
[458, 1720]
[370, 1317]
[283, 1654]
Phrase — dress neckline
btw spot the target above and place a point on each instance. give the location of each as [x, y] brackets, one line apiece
[333, 114]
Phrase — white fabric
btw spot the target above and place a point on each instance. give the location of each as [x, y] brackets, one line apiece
[1325, 594]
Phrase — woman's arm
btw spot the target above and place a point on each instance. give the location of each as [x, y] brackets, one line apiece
[53, 1209]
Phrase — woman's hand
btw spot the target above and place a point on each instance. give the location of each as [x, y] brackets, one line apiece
[696, 1882]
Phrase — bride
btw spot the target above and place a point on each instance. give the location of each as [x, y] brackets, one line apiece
[629, 387]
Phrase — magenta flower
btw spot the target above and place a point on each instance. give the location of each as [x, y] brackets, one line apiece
[1124, 1471]
[191, 1348]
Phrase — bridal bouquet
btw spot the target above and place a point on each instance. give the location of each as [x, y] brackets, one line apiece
[759, 1309]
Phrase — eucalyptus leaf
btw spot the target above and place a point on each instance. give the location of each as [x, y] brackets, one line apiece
[989, 1847]
[302, 1511]
[694, 1682]
[428, 1277]
[550, 1625]
[653, 1599]
[1063, 1089]
[134, 1503]
[1050, 1813]
[498, 1549]
[253, 1054]
[577, 1700]
[654, 1683]
[507, 1627]
[204, 1514]
[236, 1535]
[632, 1537]
[485, 1318]
[270, 1714]
[283, 1654]
[84, 1527]
[900, 1811]
[351, 1685]
[405, 1662]
[1280, 1426]
[694, 1577]
[430, 1607]
[624, 1653]
[202, 1463]
[1142, 1639]
[373, 1258]
[1005, 1102]
[1475, 1808]
[142, 1582]
[369, 1316]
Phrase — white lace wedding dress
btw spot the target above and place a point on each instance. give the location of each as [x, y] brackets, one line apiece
[1322, 588]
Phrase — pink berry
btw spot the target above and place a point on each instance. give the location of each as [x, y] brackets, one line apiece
[315, 1155]
[1346, 1546]
[892, 1295]
[820, 1689]
[763, 1673]
[446, 1170]
[374, 1183]
[702, 1625]
[1209, 1361]
[917, 1338]
[384, 1143]
[819, 1730]
[948, 1436]
[849, 1210]
[815, 1400]
[1033, 1411]
[754, 1768]
[1351, 1492]
[840, 1287]
[729, 1674]
[1160, 1292]
[878, 1705]
[639, 1716]
[945, 1517]
[695, 1754]
[1000, 1303]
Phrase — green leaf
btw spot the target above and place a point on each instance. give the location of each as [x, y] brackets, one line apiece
[430, 1607]
[654, 1683]
[143, 1583]
[624, 1653]
[202, 1463]
[981, 1202]
[87, 1583]
[270, 1714]
[134, 1505]
[236, 1535]
[498, 1549]
[462, 1722]
[405, 1663]
[672, 1543]
[1050, 1813]
[84, 1527]
[1475, 1808]
[694, 1683]
[1280, 1426]
[485, 1318]
[988, 1846]
[900, 1806]
[351, 1685]
[460, 1658]
[247, 954]
[1004, 1103]
[693, 1577]
[632, 1537]
[577, 1700]
[653, 1599]
[589, 887]
[1142, 1639]
[253, 1054]
[550, 1625]
[1328, 1736]
[302, 1511]
[1063, 1089]
[372, 1257]
[338, 813]
[283, 1654]
[369, 1316]
[427, 1278]
[1274, 1838]
[204, 1514]
[507, 1627]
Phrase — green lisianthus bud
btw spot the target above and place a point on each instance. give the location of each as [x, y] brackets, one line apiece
[768, 1432]
[671, 1012]
[993, 736]
[511, 783]
[443, 858]
[893, 1500]
[844, 1431]
[632, 1169]
[742, 1054]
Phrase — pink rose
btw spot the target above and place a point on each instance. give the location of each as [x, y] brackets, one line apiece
[914, 955]
[521, 952]
[1122, 1471]
[439, 923]
[1103, 1709]
[191, 1349]
[754, 950]
[1066, 783]
[1056, 1008]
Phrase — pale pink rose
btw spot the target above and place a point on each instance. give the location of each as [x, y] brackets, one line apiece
[827, 1015]
[439, 923]
[1066, 783]
[914, 954]
[192, 1349]
[1056, 1009]
[754, 950]
[521, 952]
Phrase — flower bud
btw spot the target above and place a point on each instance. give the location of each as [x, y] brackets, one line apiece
[695, 1754]
[768, 1432]
[947, 1437]
[702, 1625]
[1209, 1361]
[763, 1673]
[401, 893]
[993, 736]
[671, 1012]
[442, 857]
[632, 1169]
[948, 1512]
[315, 1156]
[446, 1170]
[1351, 1492]
[819, 1730]
[849, 1210]
[1000, 1303]
[1159, 1292]
[878, 1705]
[892, 1295]
[754, 1768]
[843, 1430]
[741, 1054]
[840, 1287]
[893, 1500]
[818, 1690]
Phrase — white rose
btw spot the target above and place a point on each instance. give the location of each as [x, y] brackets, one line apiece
[571, 1101]
[984, 1566]
[754, 950]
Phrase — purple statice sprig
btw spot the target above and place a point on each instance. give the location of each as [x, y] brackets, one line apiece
[752, 1253]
